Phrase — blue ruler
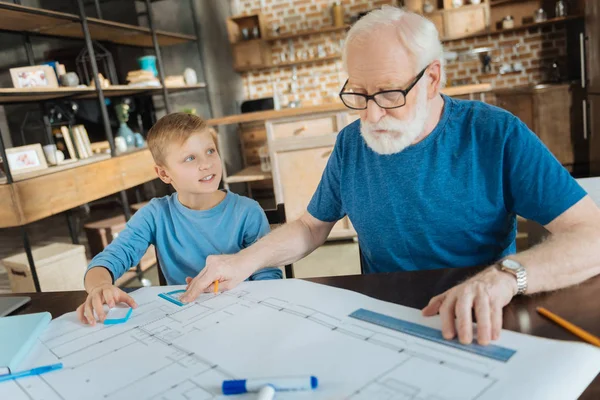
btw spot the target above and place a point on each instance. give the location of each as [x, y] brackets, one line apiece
[424, 332]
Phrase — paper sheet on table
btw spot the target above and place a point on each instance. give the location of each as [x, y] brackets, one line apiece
[282, 328]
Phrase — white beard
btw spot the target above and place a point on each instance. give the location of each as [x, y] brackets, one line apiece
[401, 134]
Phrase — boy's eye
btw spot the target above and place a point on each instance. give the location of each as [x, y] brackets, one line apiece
[211, 151]
[189, 158]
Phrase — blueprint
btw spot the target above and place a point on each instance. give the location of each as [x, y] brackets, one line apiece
[288, 328]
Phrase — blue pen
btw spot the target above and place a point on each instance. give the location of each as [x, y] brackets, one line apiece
[31, 372]
[283, 384]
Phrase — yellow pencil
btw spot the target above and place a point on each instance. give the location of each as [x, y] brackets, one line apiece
[216, 287]
[588, 337]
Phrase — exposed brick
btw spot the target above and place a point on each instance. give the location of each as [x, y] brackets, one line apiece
[538, 46]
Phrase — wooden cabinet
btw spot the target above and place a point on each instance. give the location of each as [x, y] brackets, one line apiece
[307, 126]
[592, 50]
[251, 54]
[298, 160]
[520, 105]
[554, 113]
[466, 20]
[438, 20]
[300, 172]
[594, 133]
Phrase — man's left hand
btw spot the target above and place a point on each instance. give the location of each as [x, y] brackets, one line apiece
[487, 293]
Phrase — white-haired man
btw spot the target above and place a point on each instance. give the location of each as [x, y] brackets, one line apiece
[433, 182]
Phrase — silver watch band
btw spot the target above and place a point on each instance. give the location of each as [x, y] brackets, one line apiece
[521, 280]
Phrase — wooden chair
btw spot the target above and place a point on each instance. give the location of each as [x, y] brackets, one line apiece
[162, 281]
[275, 217]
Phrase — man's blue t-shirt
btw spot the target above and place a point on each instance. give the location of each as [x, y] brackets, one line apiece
[450, 200]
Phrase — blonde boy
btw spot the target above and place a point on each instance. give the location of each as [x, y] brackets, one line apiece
[197, 221]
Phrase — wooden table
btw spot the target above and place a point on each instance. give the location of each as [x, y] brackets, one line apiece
[414, 289]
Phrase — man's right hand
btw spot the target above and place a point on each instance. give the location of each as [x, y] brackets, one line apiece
[223, 268]
[97, 297]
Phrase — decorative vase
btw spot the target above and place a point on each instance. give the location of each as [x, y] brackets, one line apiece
[138, 140]
[124, 131]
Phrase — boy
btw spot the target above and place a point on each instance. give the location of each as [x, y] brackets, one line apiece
[197, 221]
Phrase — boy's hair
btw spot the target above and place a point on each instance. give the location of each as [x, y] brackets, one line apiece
[174, 128]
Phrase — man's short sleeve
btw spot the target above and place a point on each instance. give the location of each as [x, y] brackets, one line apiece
[536, 185]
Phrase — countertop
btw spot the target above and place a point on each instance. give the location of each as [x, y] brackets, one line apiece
[338, 106]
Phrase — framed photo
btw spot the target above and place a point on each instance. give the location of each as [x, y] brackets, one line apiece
[36, 76]
[26, 158]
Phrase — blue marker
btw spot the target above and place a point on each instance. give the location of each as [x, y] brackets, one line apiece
[284, 384]
[31, 372]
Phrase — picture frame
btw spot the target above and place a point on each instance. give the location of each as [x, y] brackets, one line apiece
[24, 159]
[35, 76]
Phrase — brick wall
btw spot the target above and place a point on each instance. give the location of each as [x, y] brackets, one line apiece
[534, 48]
[319, 82]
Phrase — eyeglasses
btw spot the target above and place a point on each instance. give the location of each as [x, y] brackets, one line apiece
[387, 99]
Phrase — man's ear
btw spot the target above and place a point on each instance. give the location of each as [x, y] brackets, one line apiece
[434, 75]
[163, 174]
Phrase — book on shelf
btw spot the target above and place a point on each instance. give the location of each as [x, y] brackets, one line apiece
[79, 143]
[64, 143]
[86, 140]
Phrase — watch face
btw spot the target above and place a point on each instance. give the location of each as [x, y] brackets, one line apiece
[510, 264]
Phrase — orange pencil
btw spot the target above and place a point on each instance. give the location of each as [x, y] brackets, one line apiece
[216, 287]
[575, 330]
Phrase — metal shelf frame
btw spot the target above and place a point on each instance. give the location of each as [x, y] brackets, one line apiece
[84, 21]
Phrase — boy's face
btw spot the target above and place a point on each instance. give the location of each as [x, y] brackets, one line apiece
[193, 167]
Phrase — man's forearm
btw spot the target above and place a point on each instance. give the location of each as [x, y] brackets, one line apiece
[285, 245]
[564, 259]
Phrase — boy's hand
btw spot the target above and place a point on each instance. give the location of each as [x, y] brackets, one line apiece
[225, 268]
[98, 296]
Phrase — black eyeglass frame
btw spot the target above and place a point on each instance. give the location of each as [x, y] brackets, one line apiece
[372, 96]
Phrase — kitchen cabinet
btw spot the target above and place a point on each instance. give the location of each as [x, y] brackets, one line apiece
[300, 149]
[554, 113]
[594, 133]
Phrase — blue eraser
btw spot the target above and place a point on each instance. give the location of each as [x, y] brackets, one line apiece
[118, 315]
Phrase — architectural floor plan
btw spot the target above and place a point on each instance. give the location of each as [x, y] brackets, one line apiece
[288, 328]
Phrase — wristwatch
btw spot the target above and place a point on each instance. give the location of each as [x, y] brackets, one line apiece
[518, 271]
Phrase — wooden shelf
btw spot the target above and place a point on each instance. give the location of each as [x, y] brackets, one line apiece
[294, 35]
[250, 174]
[516, 28]
[21, 202]
[290, 63]
[12, 95]
[57, 168]
[52, 23]
[495, 3]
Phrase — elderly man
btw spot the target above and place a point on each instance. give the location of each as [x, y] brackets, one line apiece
[433, 182]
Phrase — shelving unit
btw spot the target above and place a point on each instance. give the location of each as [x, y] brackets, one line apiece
[37, 21]
[291, 63]
[550, 21]
[255, 54]
[12, 95]
[318, 31]
[65, 187]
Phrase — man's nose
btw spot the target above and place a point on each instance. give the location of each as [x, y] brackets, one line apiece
[373, 112]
